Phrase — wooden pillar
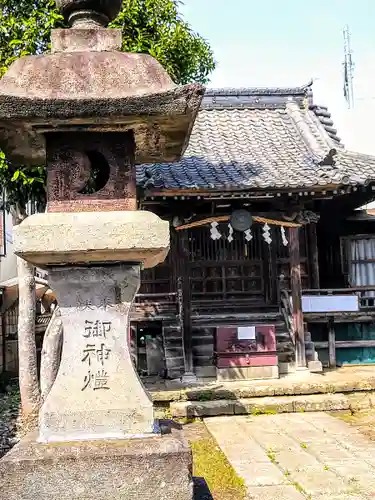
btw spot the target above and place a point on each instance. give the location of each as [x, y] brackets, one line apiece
[331, 343]
[296, 286]
[313, 255]
[184, 299]
[272, 256]
[184, 321]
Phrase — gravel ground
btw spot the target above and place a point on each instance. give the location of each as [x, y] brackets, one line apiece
[9, 414]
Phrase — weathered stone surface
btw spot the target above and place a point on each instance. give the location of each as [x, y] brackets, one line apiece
[86, 75]
[315, 366]
[352, 495]
[85, 40]
[151, 469]
[318, 480]
[97, 409]
[86, 83]
[263, 405]
[344, 380]
[96, 91]
[247, 373]
[201, 409]
[287, 368]
[361, 400]
[71, 238]
[324, 402]
[243, 447]
[259, 474]
[97, 393]
[274, 493]
[258, 405]
[72, 161]
[166, 396]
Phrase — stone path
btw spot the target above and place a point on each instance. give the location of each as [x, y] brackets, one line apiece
[297, 456]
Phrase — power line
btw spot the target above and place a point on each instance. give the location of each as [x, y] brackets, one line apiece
[348, 68]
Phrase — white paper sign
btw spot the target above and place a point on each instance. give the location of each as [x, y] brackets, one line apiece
[246, 333]
[330, 303]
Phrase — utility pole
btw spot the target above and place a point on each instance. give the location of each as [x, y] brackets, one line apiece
[348, 69]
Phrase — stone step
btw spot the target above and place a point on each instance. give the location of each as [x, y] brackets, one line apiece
[286, 386]
[272, 405]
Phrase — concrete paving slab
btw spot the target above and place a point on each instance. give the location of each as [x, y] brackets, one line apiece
[318, 480]
[259, 474]
[275, 493]
[353, 469]
[275, 442]
[328, 451]
[252, 452]
[291, 460]
[350, 496]
[310, 455]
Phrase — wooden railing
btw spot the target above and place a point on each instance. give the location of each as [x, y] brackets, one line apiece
[154, 306]
[366, 295]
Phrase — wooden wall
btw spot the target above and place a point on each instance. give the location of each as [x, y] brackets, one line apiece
[219, 270]
[220, 279]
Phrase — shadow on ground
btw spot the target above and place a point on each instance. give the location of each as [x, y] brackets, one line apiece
[201, 490]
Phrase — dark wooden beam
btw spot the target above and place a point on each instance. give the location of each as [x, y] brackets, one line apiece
[361, 317]
[272, 256]
[313, 255]
[346, 344]
[296, 288]
[331, 343]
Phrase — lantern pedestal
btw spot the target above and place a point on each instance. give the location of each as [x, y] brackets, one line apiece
[154, 468]
[91, 113]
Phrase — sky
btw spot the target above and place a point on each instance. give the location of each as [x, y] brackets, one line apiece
[287, 43]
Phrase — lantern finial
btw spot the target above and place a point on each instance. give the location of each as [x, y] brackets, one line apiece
[89, 13]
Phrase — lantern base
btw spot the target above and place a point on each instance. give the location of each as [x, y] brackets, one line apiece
[156, 468]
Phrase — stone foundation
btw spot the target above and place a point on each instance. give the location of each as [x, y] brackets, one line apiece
[287, 368]
[247, 373]
[315, 366]
[156, 468]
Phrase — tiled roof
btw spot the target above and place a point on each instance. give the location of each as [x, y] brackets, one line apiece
[261, 138]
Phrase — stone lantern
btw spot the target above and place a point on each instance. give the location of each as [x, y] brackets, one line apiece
[90, 113]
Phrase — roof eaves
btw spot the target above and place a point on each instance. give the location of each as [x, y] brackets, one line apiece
[253, 190]
[285, 91]
[252, 97]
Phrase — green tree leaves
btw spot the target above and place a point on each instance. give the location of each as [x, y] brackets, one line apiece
[155, 27]
[148, 26]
